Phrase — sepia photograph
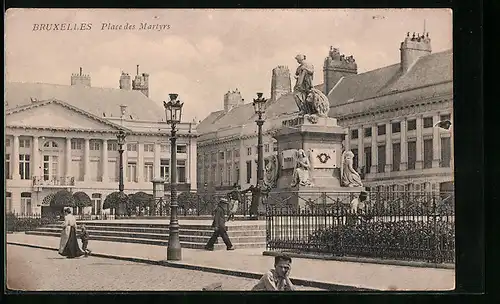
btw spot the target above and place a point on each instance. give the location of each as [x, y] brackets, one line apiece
[241, 150]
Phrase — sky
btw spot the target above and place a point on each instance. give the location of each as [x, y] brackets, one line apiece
[202, 54]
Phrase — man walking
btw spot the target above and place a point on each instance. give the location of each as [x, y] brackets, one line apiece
[219, 225]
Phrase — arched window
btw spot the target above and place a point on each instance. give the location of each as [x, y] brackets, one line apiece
[26, 203]
[8, 202]
[96, 203]
[50, 144]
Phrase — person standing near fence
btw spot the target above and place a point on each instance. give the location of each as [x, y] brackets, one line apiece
[254, 206]
[219, 225]
[234, 201]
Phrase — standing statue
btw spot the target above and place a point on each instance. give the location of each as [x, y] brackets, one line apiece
[349, 176]
[309, 100]
[271, 172]
[303, 168]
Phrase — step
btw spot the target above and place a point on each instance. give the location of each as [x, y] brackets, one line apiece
[261, 237]
[219, 246]
[208, 227]
[165, 230]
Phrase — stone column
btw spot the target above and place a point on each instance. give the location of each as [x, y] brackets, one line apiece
[156, 165]
[404, 147]
[36, 171]
[374, 150]
[436, 143]
[86, 160]
[419, 143]
[104, 161]
[347, 140]
[15, 159]
[193, 153]
[361, 148]
[68, 157]
[388, 147]
[140, 162]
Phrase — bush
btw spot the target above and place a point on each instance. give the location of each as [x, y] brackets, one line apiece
[81, 199]
[15, 224]
[413, 240]
[188, 200]
[63, 198]
[139, 201]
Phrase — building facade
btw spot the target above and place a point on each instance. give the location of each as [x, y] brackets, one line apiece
[389, 113]
[65, 137]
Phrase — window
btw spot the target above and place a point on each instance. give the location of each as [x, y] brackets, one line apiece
[181, 171]
[50, 167]
[76, 144]
[428, 153]
[368, 132]
[249, 171]
[50, 144]
[368, 159]
[113, 168]
[7, 166]
[412, 124]
[445, 152]
[7, 143]
[228, 173]
[381, 130]
[428, 122]
[8, 202]
[396, 127]
[355, 159]
[149, 147]
[24, 166]
[266, 148]
[132, 147]
[163, 148]
[354, 134]
[221, 155]
[164, 169]
[181, 149]
[381, 158]
[396, 156]
[275, 147]
[148, 172]
[249, 151]
[132, 172]
[445, 117]
[112, 146]
[96, 203]
[26, 203]
[95, 145]
[412, 155]
[24, 143]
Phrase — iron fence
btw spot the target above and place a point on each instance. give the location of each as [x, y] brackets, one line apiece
[396, 225]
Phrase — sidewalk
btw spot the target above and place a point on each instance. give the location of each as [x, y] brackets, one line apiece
[333, 275]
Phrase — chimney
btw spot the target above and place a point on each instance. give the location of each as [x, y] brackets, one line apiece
[141, 83]
[337, 66]
[125, 82]
[412, 48]
[80, 79]
[232, 99]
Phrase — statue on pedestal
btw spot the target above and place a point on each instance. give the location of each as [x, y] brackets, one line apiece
[301, 173]
[309, 100]
[348, 176]
[271, 171]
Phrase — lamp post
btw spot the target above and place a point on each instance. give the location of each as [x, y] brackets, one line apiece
[173, 112]
[259, 107]
[121, 142]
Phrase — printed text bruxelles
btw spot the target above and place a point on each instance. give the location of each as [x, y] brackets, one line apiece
[105, 26]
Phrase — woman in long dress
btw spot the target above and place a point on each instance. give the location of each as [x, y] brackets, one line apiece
[68, 246]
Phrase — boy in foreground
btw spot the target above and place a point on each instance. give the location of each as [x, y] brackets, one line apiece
[277, 279]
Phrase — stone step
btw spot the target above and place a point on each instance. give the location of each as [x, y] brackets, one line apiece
[219, 246]
[231, 227]
[164, 236]
[186, 232]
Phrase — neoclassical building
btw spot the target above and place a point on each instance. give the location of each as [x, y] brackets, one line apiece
[64, 137]
[389, 114]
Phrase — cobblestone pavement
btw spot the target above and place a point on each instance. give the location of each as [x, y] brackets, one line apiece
[39, 269]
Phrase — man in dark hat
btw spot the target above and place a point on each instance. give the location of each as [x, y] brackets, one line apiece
[219, 225]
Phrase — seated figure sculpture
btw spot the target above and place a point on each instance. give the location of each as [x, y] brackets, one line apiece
[349, 176]
[301, 173]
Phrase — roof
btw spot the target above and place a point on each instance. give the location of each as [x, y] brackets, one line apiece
[97, 101]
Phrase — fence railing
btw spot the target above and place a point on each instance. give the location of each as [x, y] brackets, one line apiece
[401, 226]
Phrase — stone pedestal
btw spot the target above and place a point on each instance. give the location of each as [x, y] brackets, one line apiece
[322, 140]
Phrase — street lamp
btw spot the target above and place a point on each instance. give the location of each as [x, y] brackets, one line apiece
[173, 112]
[259, 107]
[121, 142]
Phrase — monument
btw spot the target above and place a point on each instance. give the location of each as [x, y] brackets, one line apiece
[311, 160]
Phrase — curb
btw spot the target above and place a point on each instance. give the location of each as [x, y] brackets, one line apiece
[361, 260]
[236, 273]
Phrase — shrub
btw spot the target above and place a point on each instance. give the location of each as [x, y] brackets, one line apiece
[414, 240]
[81, 199]
[63, 198]
[15, 224]
[188, 200]
[139, 200]
[115, 200]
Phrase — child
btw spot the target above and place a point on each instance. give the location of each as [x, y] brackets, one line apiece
[85, 240]
[277, 279]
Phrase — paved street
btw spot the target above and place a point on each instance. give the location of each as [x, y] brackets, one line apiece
[38, 269]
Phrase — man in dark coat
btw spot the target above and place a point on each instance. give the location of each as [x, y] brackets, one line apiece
[254, 206]
[219, 225]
